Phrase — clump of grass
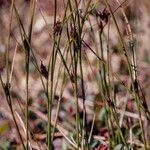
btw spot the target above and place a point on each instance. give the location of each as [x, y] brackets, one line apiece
[71, 59]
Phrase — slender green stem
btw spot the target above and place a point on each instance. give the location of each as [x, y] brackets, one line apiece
[27, 97]
[9, 102]
[76, 97]
[135, 94]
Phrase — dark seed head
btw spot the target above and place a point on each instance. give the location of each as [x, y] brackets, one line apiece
[74, 33]
[104, 15]
[110, 103]
[144, 104]
[136, 86]
[57, 27]
[72, 78]
[6, 88]
[26, 45]
[44, 71]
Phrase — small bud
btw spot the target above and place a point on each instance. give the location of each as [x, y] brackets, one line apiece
[6, 88]
[110, 103]
[136, 86]
[26, 45]
[72, 78]
[57, 27]
[104, 15]
[44, 71]
[74, 34]
[144, 104]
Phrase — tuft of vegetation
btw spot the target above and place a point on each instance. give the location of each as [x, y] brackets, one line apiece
[74, 75]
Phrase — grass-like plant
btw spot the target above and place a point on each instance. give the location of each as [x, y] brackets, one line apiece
[69, 54]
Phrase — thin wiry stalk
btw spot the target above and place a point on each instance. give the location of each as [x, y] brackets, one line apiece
[130, 73]
[20, 23]
[8, 42]
[85, 136]
[76, 101]
[30, 129]
[79, 48]
[92, 127]
[62, 89]
[100, 60]
[74, 56]
[27, 54]
[9, 102]
[58, 105]
[51, 68]
[26, 50]
[111, 140]
[13, 62]
[26, 44]
[103, 85]
[27, 59]
[105, 90]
